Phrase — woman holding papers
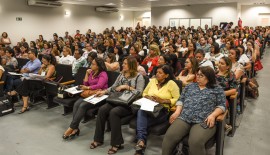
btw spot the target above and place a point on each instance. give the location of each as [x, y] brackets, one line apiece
[47, 70]
[195, 114]
[163, 90]
[129, 79]
[95, 79]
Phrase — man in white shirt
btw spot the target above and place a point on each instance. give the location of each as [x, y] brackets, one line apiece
[80, 61]
[88, 48]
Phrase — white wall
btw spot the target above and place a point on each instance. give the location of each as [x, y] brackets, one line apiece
[144, 17]
[46, 21]
[219, 13]
[250, 14]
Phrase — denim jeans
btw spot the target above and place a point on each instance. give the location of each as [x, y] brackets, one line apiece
[144, 122]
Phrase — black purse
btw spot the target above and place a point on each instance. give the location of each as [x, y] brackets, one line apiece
[62, 93]
[157, 110]
[6, 106]
[124, 98]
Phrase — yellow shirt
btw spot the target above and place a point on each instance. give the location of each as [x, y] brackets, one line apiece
[169, 91]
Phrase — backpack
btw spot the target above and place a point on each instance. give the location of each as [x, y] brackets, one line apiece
[6, 106]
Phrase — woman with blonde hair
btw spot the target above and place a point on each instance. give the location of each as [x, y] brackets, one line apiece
[152, 59]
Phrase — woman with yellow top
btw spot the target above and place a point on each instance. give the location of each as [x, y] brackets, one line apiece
[161, 89]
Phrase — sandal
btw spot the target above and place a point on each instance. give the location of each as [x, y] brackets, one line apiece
[115, 148]
[139, 148]
[24, 109]
[93, 145]
[228, 128]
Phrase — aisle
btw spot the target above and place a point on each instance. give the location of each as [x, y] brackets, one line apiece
[253, 135]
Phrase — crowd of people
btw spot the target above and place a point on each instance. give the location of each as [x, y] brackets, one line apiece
[210, 63]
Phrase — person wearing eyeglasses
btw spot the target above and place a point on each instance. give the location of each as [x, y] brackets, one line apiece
[197, 109]
[32, 66]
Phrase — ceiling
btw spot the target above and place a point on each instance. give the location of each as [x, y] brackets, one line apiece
[137, 5]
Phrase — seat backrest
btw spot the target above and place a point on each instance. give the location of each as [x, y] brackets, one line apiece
[179, 84]
[79, 76]
[145, 67]
[65, 71]
[40, 56]
[146, 80]
[112, 76]
[21, 62]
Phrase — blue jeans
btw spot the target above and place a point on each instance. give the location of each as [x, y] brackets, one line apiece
[144, 121]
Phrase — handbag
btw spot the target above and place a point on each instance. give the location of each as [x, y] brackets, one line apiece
[62, 93]
[6, 106]
[87, 93]
[258, 65]
[124, 98]
[157, 110]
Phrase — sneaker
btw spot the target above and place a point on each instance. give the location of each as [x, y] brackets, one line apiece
[228, 128]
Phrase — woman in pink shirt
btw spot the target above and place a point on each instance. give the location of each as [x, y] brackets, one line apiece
[95, 79]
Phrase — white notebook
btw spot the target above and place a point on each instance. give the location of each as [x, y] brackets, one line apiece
[73, 90]
[146, 104]
[94, 99]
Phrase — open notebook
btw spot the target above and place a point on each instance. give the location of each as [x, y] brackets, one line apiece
[94, 99]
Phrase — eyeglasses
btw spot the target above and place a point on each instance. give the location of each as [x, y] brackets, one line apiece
[199, 75]
[248, 44]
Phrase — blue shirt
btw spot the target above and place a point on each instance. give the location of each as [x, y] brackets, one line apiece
[199, 104]
[33, 66]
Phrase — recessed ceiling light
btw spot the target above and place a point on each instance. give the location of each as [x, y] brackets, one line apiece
[110, 4]
[221, 1]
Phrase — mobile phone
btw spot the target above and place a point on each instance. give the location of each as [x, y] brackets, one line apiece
[78, 88]
[204, 125]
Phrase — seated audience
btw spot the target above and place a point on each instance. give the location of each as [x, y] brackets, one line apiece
[111, 63]
[5, 40]
[226, 79]
[90, 58]
[199, 55]
[32, 66]
[66, 59]
[199, 105]
[113, 112]
[47, 48]
[79, 61]
[237, 68]
[188, 75]
[152, 59]
[214, 55]
[95, 79]
[162, 60]
[47, 69]
[161, 89]
[11, 61]
[118, 54]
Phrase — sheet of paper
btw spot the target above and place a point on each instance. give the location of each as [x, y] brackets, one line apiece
[13, 73]
[146, 104]
[73, 90]
[36, 76]
[94, 99]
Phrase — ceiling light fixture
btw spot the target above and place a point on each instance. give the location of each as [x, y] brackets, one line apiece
[110, 4]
